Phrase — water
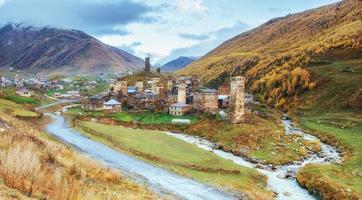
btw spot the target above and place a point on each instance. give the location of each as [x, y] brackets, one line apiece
[285, 188]
[158, 179]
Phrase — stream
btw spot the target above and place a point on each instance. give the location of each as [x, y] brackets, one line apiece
[281, 179]
[160, 180]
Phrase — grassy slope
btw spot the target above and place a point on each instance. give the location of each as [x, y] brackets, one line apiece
[324, 113]
[274, 55]
[36, 165]
[16, 109]
[9, 93]
[262, 138]
[179, 156]
[143, 76]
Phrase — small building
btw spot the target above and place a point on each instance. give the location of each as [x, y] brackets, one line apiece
[179, 109]
[112, 106]
[93, 103]
[24, 92]
[132, 89]
[206, 100]
[72, 94]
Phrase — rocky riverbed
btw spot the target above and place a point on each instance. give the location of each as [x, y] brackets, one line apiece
[281, 179]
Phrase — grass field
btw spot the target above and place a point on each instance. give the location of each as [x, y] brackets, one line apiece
[15, 109]
[179, 156]
[325, 113]
[22, 100]
[261, 138]
[151, 118]
[9, 93]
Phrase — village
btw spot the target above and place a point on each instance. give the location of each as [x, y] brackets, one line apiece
[177, 96]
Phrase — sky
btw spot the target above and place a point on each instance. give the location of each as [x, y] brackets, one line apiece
[165, 29]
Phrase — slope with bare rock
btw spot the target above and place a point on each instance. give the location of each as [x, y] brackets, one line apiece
[52, 50]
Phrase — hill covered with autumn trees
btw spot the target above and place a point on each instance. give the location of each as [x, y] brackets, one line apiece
[275, 56]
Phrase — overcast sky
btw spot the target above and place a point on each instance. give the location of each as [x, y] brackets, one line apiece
[164, 28]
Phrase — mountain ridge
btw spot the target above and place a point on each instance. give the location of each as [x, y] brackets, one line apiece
[54, 50]
[178, 63]
[274, 56]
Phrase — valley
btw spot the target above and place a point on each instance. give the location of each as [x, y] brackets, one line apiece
[271, 113]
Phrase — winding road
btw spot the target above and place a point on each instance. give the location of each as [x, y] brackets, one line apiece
[162, 181]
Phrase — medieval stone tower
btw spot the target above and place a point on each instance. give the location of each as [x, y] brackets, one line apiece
[237, 101]
[181, 93]
[121, 87]
[147, 64]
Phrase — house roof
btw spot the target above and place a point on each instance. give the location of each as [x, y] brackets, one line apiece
[222, 97]
[112, 102]
[23, 90]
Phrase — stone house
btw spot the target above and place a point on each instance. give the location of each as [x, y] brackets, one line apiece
[112, 106]
[206, 100]
[24, 92]
[179, 109]
[93, 103]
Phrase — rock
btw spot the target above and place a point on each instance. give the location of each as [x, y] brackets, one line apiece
[244, 150]
[348, 190]
[259, 166]
[287, 194]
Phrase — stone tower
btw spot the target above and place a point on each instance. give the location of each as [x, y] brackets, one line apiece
[121, 87]
[161, 92]
[147, 64]
[181, 93]
[169, 85]
[139, 86]
[237, 101]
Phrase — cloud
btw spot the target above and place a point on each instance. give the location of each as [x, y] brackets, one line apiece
[2, 2]
[190, 6]
[91, 16]
[194, 36]
[130, 48]
[215, 39]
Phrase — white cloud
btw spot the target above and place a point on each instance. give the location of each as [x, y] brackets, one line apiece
[2, 2]
[215, 39]
[190, 6]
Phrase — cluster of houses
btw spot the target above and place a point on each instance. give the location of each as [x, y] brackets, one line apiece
[177, 96]
[64, 88]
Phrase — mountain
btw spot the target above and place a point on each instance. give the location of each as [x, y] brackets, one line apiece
[52, 50]
[178, 63]
[276, 57]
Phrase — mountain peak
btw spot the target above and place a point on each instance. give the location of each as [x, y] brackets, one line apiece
[178, 63]
[53, 50]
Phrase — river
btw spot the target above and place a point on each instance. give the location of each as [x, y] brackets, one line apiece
[282, 179]
[158, 179]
